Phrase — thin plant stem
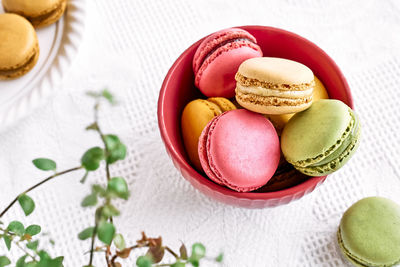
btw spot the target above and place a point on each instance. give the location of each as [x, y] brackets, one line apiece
[25, 251]
[92, 244]
[172, 252]
[37, 185]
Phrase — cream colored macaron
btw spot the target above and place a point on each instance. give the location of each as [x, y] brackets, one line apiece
[19, 48]
[39, 12]
[271, 85]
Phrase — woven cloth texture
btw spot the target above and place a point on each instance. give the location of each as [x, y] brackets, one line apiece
[128, 47]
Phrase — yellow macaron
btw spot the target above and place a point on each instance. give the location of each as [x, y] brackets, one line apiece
[39, 12]
[19, 47]
[195, 117]
[279, 121]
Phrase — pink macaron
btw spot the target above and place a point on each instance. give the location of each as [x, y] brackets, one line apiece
[239, 149]
[217, 60]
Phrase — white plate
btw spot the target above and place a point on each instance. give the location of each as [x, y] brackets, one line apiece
[58, 45]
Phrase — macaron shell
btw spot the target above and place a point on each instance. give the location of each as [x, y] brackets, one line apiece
[243, 150]
[195, 117]
[214, 40]
[203, 153]
[216, 77]
[20, 44]
[19, 48]
[223, 103]
[370, 232]
[39, 12]
[311, 133]
[276, 70]
[18, 72]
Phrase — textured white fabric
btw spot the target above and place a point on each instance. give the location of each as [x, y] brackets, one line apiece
[129, 47]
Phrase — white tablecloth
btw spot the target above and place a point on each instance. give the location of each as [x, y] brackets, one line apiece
[129, 47]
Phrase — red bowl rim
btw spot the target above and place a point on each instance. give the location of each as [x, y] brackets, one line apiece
[180, 160]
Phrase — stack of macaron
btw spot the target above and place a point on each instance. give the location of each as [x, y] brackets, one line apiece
[268, 123]
[19, 46]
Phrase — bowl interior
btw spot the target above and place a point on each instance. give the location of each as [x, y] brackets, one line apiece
[178, 89]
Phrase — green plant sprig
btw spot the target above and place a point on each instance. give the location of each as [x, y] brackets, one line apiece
[102, 199]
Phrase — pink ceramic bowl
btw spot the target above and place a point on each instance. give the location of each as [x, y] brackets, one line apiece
[178, 89]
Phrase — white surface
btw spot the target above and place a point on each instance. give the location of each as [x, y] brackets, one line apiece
[58, 44]
[129, 46]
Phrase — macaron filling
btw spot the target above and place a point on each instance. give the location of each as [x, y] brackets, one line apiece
[272, 100]
[263, 91]
[246, 81]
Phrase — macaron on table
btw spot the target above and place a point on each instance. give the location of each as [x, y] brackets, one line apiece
[285, 70]
[38, 52]
[369, 232]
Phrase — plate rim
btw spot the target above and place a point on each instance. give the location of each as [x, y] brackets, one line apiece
[73, 27]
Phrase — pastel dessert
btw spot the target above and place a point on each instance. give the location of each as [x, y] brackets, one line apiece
[321, 139]
[195, 117]
[217, 59]
[239, 149]
[270, 85]
[369, 233]
[19, 47]
[39, 12]
[279, 121]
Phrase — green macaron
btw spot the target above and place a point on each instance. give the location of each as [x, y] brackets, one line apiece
[322, 138]
[369, 233]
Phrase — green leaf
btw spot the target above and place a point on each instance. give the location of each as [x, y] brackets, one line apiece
[107, 95]
[178, 264]
[7, 241]
[21, 261]
[220, 257]
[106, 232]
[117, 186]
[85, 234]
[48, 262]
[109, 211]
[198, 252]
[45, 164]
[31, 264]
[92, 157]
[119, 242]
[98, 189]
[16, 227]
[27, 204]
[33, 230]
[116, 150]
[90, 200]
[144, 261]
[32, 245]
[4, 261]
